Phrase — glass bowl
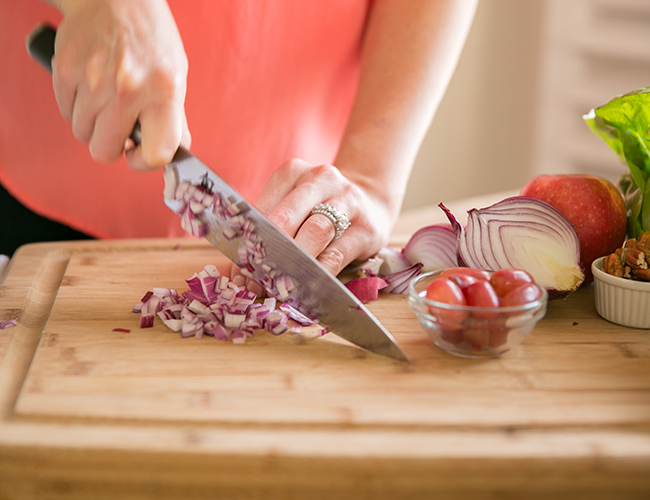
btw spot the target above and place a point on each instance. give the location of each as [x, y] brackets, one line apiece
[473, 332]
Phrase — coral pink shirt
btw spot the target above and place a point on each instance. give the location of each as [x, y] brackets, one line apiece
[268, 81]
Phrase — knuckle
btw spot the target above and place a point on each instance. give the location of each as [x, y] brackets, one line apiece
[282, 217]
[326, 172]
[333, 259]
[63, 70]
[289, 168]
[170, 80]
[319, 228]
[156, 157]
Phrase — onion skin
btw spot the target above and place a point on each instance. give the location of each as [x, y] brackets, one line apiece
[524, 233]
[366, 289]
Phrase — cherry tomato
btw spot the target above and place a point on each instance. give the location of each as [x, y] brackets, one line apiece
[476, 338]
[448, 292]
[462, 280]
[451, 336]
[481, 294]
[506, 280]
[523, 294]
[479, 274]
[498, 337]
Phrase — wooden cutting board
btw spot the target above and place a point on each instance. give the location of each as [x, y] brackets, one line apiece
[91, 411]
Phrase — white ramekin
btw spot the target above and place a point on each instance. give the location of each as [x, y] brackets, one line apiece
[622, 301]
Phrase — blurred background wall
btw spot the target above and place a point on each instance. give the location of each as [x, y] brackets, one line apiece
[481, 138]
[529, 71]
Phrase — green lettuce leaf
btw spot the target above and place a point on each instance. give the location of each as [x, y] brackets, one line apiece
[624, 124]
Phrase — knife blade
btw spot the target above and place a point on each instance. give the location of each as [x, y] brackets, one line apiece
[265, 253]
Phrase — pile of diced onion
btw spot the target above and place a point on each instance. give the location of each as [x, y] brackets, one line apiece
[216, 306]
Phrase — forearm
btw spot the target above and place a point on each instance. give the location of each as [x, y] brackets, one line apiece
[409, 54]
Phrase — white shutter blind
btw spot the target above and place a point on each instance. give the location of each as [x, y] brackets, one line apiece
[592, 51]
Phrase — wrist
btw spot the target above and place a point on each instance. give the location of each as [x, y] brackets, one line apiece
[383, 182]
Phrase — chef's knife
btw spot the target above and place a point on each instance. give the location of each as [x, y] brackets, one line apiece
[311, 289]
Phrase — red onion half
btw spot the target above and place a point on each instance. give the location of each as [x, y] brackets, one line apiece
[522, 233]
[433, 246]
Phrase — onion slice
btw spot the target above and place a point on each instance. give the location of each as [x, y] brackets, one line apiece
[10, 323]
[398, 282]
[434, 246]
[393, 261]
[522, 233]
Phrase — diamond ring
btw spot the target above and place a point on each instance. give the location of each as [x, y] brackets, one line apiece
[339, 219]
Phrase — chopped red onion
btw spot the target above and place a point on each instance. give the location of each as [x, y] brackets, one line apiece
[238, 337]
[146, 320]
[220, 308]
[197, 307]
[174, 325]
[164, 292]
[296, 315]
[220, 332]
[189, 329]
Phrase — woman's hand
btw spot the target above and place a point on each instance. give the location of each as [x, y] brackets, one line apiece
[118, 62]
[294, 190]
[297, 187]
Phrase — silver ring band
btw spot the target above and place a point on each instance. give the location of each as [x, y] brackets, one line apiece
[339, 219]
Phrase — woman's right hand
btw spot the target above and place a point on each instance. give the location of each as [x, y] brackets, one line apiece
[118, 62]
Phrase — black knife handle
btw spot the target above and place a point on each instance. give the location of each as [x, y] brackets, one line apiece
[40, 45]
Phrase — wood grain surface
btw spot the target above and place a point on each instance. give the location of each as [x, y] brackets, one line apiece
[89, 412]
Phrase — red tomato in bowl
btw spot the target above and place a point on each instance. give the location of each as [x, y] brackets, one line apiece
[481, 294]
[446, 291]
[523, 294]
[506, 280]
[476, 338]
[479, 274]
[462, 280]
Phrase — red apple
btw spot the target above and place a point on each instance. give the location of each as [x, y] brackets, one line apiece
[593, 205]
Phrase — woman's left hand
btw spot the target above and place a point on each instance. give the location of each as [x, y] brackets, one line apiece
[297, 187]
